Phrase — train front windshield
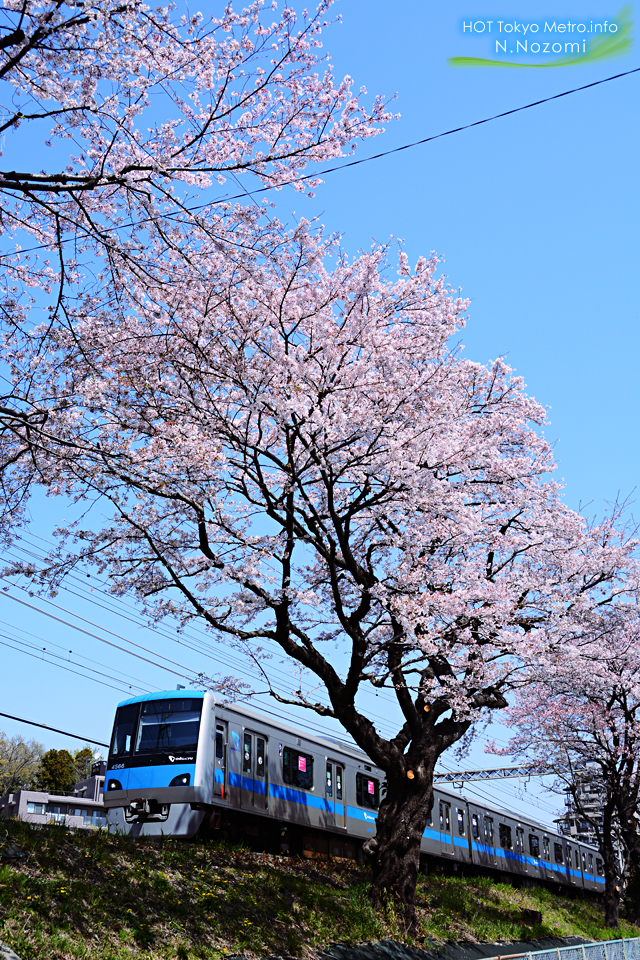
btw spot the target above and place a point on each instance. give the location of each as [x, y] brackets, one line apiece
[168, 725]
[156, 727]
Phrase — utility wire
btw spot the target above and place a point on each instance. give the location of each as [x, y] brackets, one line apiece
[96, 637]
[35, 636]
[418, 143]
[356, 163]
[44, 726]
[44, 655]
[209, 650]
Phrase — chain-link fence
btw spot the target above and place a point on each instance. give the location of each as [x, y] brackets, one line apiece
[606, 950]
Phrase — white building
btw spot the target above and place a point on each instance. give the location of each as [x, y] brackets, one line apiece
[83, 808]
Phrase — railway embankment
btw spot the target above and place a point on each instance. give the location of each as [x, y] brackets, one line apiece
[70, 895]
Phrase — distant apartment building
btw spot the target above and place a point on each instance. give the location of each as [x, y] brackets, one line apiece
[580, 817]
[585, 811]
[83, 808]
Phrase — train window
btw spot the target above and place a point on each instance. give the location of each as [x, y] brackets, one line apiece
[590, 863]
[329, 780]
[505, 836]
[246, 756]
[475, 826]
[167, 725]
[123, 730]
[445, 817]
[297, 768]
[546, 848]
[219, 741]
[338, 783]
[577, 860]
[557, 853]
[534, 845]
[599, 866]
[261, 770]
[568, 856]
[519, 839]
[430, 817]
[584, 863]
[488, 829]
[460, 818]
[367, 791]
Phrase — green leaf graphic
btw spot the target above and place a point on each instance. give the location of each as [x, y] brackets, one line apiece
[601, 47]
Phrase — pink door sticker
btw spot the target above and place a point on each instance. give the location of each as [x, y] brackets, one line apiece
[302, 764]
[371, 786]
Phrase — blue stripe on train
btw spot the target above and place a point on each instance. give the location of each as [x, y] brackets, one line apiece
[291, 795]
[143, 775]
[309, 800]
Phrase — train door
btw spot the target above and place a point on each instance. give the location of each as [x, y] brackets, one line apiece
[489, 839]
[336, 810]
[234, 764]
[446, 837]
[570, 870]
[220, 761]
[520, 848]
[255, 787]
[534, 850]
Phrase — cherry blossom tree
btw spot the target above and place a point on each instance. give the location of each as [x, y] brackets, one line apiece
[582, 717]
[124, 128]
[292, 453]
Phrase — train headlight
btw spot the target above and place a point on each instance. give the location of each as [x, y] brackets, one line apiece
[182, 780]
[114, 785]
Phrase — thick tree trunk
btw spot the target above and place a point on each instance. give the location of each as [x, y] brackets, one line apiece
[611, 888]
[611, 906]
[632, 892]
[631, 843]
[395, 850]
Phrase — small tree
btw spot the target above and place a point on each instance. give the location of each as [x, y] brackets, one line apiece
[19, 762]
[583, 718]
[293, 455]
[83, 761]
[57, 772]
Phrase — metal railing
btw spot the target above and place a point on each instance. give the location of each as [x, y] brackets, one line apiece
[626, 949]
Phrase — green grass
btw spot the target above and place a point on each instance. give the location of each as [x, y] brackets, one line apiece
[77, 895]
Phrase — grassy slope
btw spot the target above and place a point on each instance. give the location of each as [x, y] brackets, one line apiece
[91, 895]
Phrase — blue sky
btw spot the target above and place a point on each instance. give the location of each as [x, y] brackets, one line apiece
[536, 215]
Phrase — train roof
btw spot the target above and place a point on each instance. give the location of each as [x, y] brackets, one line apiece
[319, 738]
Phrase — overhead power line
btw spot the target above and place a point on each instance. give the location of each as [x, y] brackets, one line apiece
[45, 726]
[418, 143]
[66, 623]
[355, 163]
[186, 639]
[61, 666]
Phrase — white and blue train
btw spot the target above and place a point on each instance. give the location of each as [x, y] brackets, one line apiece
[179, 762]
